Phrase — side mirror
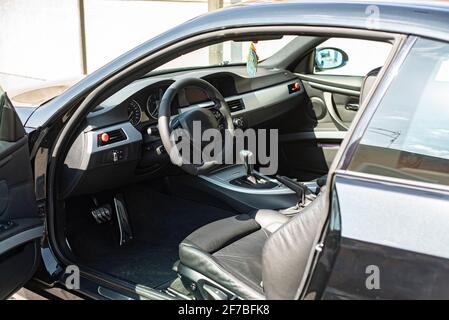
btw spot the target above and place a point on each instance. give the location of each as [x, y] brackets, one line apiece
[330, 58]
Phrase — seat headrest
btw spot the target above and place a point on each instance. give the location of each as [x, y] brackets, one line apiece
[368, 83]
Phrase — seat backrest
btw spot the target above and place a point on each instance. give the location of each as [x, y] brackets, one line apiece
[368, 83]
[287, 251]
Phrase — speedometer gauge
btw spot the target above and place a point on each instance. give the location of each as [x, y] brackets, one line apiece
[134, 113]
[153, 102]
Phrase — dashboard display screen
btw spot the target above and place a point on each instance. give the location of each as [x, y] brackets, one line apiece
[194, 95]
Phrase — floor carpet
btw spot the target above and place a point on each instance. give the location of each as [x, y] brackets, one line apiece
[159, 222]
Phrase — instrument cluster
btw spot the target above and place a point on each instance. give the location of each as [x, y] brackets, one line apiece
[144, 107]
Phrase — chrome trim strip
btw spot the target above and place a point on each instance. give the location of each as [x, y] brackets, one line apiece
[223, 177]
[257, 99]
[131, 133]
[111, 294]
[225, 183]
[325, 87]
[228, 186]
[21, 238]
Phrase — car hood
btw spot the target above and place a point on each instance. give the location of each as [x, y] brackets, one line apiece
[37, 95]
[27, 100]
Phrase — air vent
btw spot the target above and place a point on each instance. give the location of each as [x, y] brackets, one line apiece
[116, 135]
[109, 137]
[236, 105]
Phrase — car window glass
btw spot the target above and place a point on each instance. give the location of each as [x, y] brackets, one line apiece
[408, 136]
[363, 56]
[228, 52]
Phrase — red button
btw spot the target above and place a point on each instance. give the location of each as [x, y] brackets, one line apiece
[296, 86]
[104, 137]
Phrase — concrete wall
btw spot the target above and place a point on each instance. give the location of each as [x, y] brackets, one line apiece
[114, 27]
[40, 39]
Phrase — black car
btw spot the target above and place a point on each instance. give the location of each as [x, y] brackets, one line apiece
[94, 203]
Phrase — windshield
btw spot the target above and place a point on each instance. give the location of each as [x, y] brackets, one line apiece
[226, 53]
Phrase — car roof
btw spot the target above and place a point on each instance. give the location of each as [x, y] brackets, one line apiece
[425, 19]
[418, 17]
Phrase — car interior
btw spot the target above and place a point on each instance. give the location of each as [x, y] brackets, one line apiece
[227, 231]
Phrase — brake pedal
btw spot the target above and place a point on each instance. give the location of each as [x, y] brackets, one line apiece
[102, 214]
[124, 226]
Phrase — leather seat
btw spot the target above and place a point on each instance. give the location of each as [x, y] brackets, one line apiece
[368, 83]
[229, 251]
[252, 256]
[257, 256]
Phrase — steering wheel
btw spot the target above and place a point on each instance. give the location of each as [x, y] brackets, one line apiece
[217, 117]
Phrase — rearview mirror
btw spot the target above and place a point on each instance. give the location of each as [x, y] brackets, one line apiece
[330, 58]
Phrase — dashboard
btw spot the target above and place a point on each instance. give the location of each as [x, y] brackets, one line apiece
[133, 149]
[143, 107]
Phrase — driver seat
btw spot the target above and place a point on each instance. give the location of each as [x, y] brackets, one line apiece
[255, 256]
[251, 256]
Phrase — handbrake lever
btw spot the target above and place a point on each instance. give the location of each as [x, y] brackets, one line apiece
[299, 188]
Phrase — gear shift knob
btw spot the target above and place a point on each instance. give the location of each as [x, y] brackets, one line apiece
[248, 161]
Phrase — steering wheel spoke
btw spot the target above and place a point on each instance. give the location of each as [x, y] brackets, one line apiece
[175, 124]
[219, 116]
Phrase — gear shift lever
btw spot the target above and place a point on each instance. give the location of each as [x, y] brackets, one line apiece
[252, 179]
[247, 158]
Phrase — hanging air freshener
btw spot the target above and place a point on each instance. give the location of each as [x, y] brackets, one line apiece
[252, 60]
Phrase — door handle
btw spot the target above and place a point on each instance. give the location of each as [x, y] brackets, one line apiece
[352, 107]
[330, 109]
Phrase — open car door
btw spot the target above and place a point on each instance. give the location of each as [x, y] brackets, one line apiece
[334, 78]
[20, 224]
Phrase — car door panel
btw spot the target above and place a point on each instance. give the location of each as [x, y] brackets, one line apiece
[375, 243]
[332, 105]
[17, 179]
[320, 147]
[20, 224]
[338, 94]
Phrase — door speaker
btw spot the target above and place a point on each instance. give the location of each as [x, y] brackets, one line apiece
[318, 110]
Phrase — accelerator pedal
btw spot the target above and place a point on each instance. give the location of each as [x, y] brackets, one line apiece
[125, 231]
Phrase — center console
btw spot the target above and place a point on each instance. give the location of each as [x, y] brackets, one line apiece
[232, 186]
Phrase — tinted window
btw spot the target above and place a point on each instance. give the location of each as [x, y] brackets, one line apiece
[408, 136]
